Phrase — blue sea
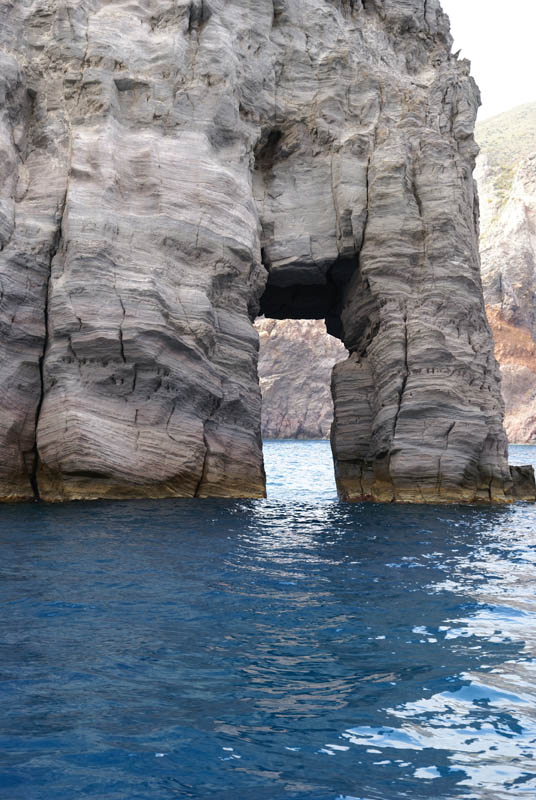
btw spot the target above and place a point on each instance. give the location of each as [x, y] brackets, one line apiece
[295, 647]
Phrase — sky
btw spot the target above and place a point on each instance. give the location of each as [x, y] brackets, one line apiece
[498, 38]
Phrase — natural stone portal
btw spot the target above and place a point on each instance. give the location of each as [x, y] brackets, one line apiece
[157, 159]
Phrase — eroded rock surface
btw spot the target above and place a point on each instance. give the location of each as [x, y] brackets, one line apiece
[131, 258]
[507, 188]
[158, 158]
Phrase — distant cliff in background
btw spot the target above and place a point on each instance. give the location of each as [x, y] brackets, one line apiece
[296, 391]
[506, 175]
[296, 359]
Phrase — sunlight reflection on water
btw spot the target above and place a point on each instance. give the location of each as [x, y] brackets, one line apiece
[288, 648]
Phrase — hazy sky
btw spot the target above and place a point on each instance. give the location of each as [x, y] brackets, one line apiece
[498, 38]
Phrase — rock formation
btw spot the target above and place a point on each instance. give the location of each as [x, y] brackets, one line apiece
[507, 188]
[173, 168]
[507, 185]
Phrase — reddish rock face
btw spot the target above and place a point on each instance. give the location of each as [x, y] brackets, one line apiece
[515, 350]
[507, 185]
[173, 168]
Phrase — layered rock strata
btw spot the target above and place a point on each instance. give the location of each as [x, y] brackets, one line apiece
[171, 168]
[131, 258]
[507, 188]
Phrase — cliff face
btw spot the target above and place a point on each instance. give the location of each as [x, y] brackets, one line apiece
[296, 360]
[171, 168]
[509, 277]
[507, 183]
[131, 258]
[506, 174]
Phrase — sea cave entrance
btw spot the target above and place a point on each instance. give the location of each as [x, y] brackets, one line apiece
[299, 330]
[308, 294]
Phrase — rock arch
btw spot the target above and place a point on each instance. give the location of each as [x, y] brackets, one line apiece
[169, 168]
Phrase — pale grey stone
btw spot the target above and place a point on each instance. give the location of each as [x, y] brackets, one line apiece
[158, 157]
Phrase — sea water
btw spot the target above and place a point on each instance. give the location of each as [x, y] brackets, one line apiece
[296, 647]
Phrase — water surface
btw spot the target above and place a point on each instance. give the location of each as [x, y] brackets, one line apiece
[267, 650]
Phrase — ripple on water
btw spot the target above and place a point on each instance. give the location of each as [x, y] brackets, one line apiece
[288, 648]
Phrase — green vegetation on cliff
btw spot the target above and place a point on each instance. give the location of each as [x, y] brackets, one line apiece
[506, 140]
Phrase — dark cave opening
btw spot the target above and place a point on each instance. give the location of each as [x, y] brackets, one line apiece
[300, 332]
[286, 298]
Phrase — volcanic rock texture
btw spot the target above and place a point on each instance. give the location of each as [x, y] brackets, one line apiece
[165, 160]
[506, 174]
